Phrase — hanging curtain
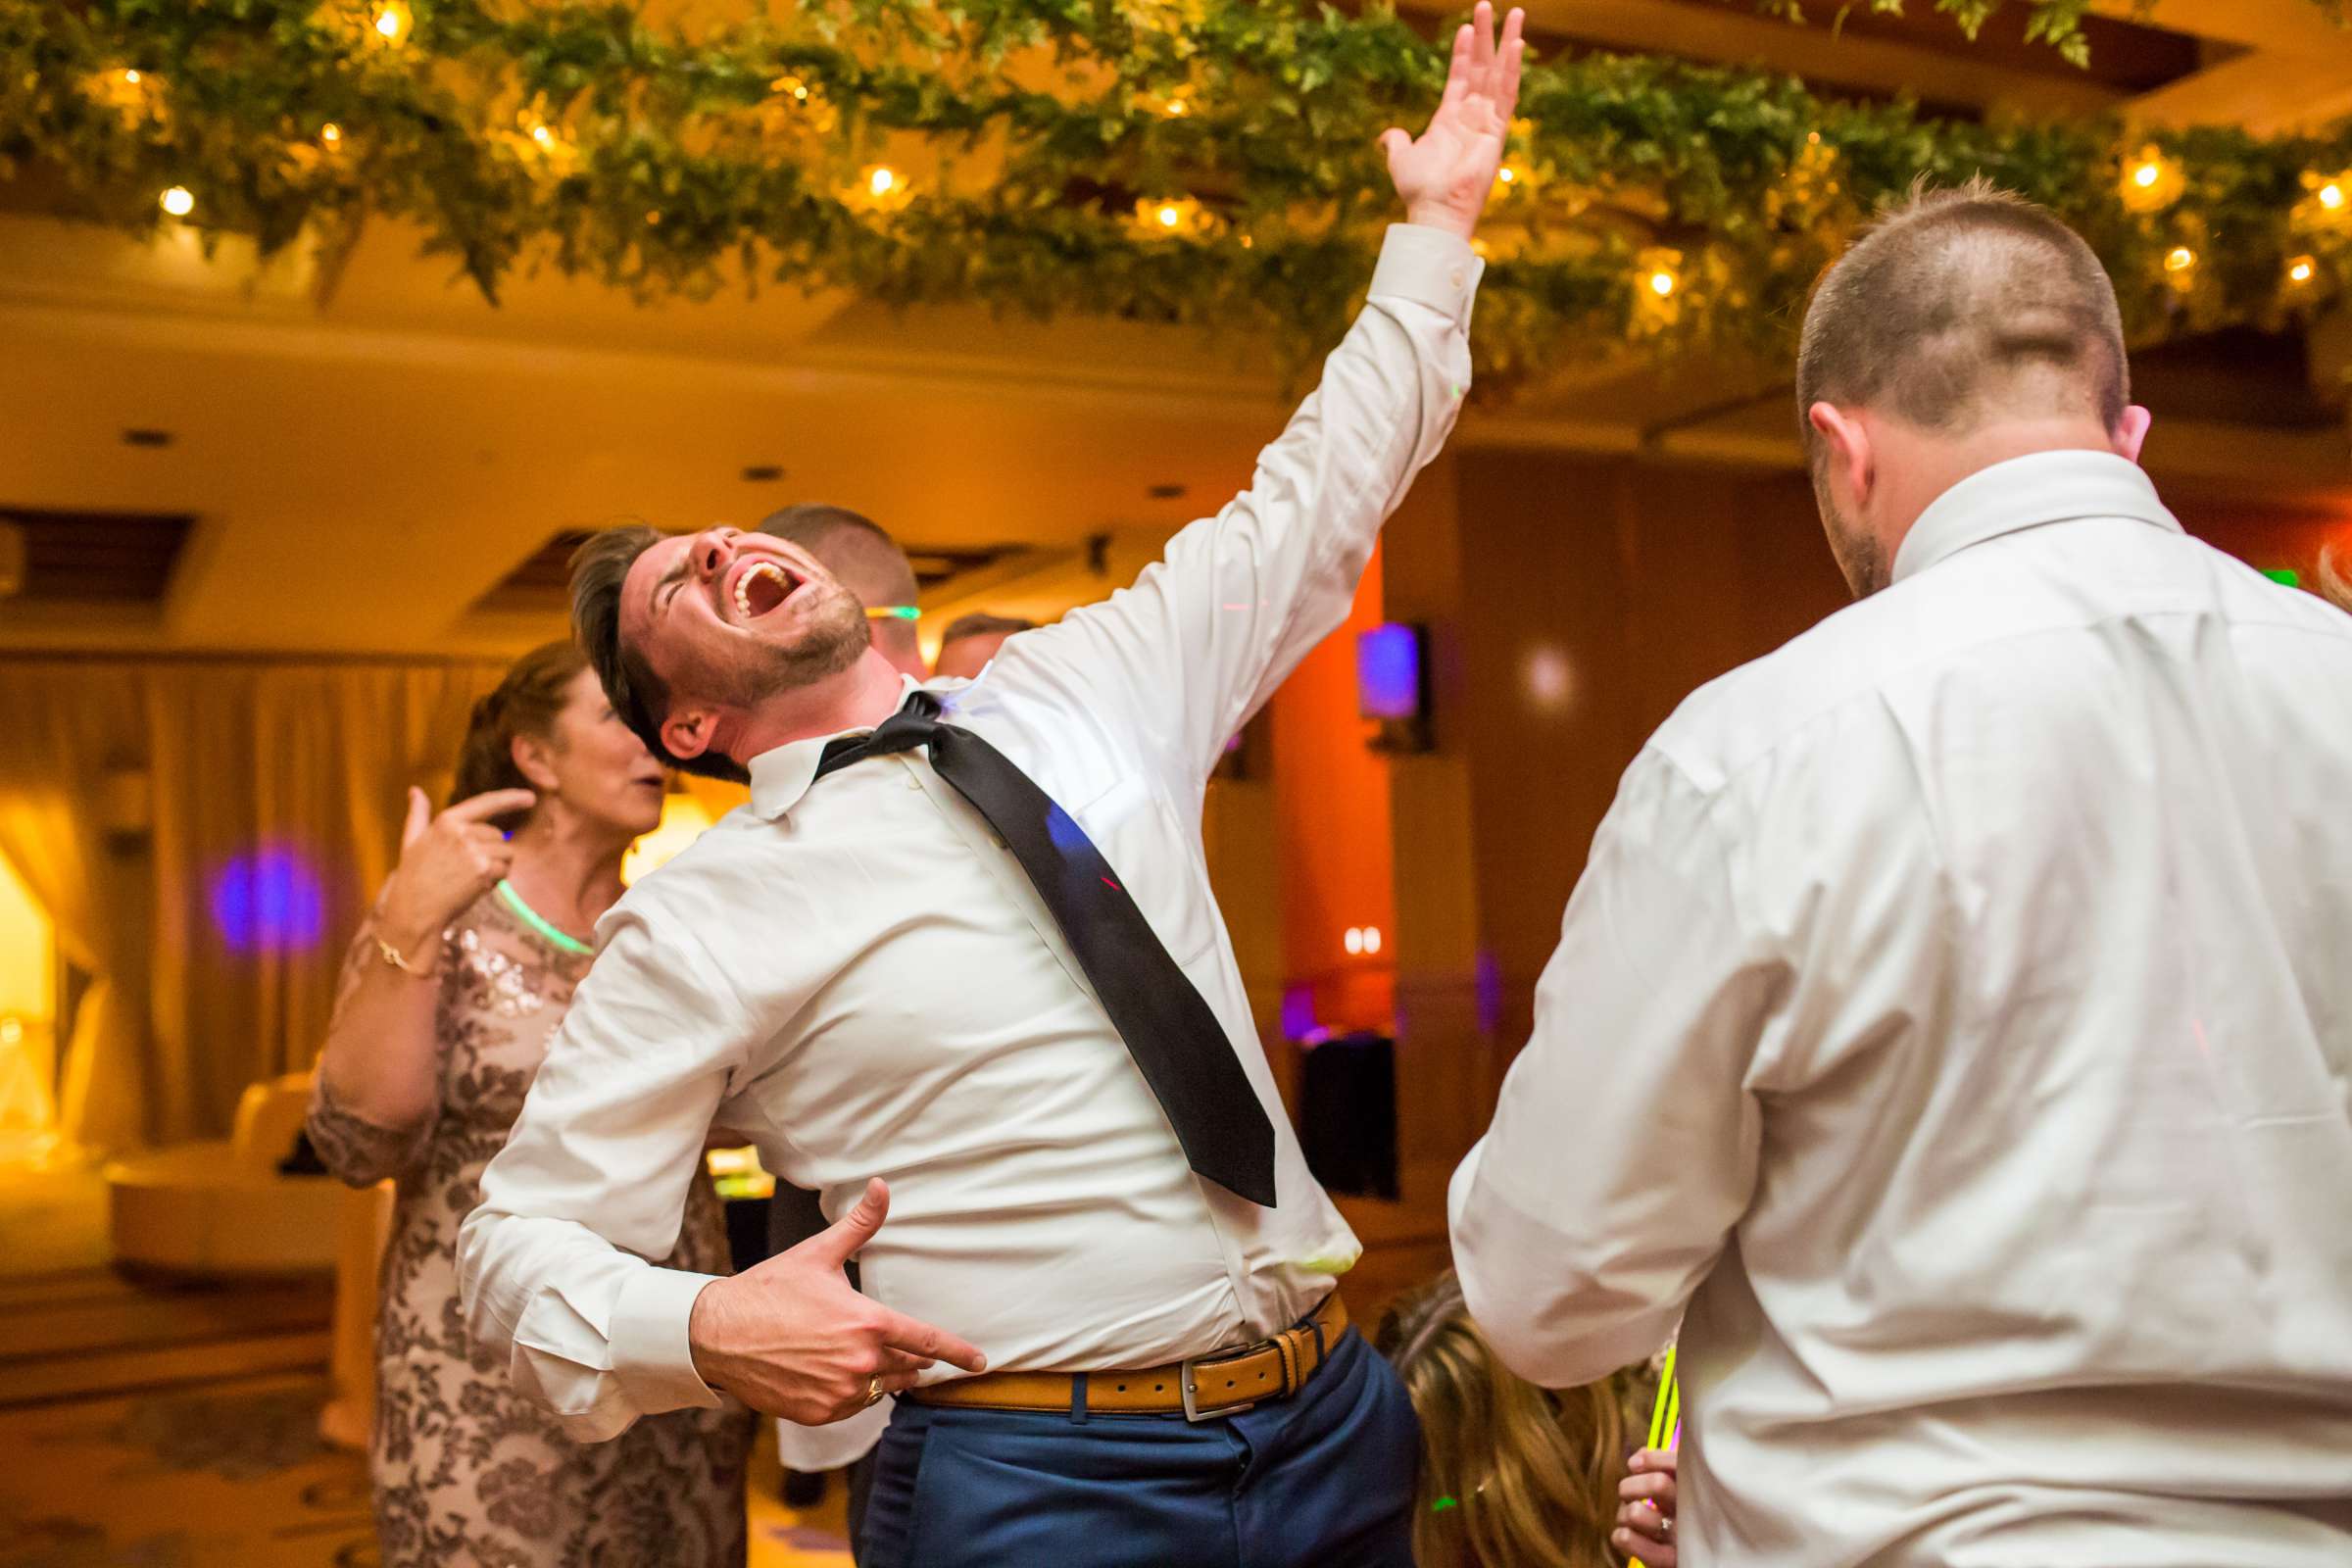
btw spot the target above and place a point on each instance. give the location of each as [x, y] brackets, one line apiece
[63, 729]
[277, 791]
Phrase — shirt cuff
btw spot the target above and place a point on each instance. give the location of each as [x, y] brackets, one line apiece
[651, 1356]
[1428, 267]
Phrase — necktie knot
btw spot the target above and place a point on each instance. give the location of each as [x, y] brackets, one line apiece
[913, 725]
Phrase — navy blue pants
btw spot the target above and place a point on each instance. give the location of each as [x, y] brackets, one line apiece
[1321, 1479]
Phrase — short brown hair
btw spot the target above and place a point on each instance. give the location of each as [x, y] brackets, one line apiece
[527, 701]
[982, 625]
[861, 554]
[2334, 581]
[600, 571]
[1938, 310]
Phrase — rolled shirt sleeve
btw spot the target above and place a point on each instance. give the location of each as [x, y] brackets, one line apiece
[1204, 635]
[1625, 1143]
[552, 1266]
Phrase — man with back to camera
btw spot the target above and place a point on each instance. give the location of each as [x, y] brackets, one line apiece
[965, 940]
[1955, 1009]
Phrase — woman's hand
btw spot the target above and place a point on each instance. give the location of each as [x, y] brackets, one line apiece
[1645, 1518]
[446, 862]
[1446, 172]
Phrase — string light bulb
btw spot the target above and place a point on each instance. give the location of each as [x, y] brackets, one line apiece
[331, 134]
[179, 200]
[1661, 283]
[130, 78]
[2152, 181]
[1169, 215]
[2302, 269]
[2179, 259]
[543, 137]
[2331, 196]
[881, 181]
[392, 20]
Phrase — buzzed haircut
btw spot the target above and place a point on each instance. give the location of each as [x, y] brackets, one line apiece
[1960, 306]
[861, 553]
[600, 570]
[982, 625]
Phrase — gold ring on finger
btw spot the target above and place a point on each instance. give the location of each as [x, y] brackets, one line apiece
[873, 1390]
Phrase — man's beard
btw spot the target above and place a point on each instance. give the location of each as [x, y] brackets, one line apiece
[833, 636]
[1859, 554]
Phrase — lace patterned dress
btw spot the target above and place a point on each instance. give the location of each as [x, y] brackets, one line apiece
[469, 1473]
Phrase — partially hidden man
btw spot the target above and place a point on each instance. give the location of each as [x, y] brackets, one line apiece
[962, 941]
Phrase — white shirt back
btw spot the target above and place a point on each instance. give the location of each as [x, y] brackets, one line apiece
[1957, 1012]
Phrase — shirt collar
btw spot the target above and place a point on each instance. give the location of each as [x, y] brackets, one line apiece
[781, 777]
[2026, 493]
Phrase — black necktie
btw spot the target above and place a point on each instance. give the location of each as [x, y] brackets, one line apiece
[1175, 1040]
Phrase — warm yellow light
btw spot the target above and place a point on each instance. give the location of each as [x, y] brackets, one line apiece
[177, 201]
[1170, 215]
[1661, 283]
[130, 78]
[1371, 939]
[2147, 174]
[11, 1032]
[2179, 259]
[391, 22]
[684, 818]
[1812, 138]
[1353, 940]
[881, 181]
[542, 135]
[2331, 196]
[1505, 174]
[331, 134]
[2302, 269]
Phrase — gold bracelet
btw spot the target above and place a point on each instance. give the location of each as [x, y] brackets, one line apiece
[392, 956]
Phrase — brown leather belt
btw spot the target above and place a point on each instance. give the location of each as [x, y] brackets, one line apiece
[1221, 1383]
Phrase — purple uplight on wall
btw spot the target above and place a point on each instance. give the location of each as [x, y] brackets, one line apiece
[1387, 672]
[1298, 1014]
[270, 900]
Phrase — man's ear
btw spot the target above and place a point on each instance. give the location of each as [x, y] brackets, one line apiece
[1849, 448]
[529, 754]
[688, 731]
[2131, 433]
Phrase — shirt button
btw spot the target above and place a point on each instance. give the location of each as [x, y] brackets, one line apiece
[1455, 278]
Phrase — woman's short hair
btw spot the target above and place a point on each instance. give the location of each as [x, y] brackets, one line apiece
[525, 703]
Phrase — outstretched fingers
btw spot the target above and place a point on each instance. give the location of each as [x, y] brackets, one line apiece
[1514, 55]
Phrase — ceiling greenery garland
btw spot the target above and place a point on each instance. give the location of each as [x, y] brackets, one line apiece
[1206, 162]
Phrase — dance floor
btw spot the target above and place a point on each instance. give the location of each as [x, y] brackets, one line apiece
[145, 1425]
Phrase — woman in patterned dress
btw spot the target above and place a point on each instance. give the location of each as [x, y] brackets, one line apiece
[449, 996]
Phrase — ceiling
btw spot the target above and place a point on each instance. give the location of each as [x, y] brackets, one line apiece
[390, 471]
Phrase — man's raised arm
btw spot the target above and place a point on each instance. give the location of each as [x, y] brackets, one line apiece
[1207, 634]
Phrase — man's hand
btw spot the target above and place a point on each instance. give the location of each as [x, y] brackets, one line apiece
[1447, 175]
[1645, 1520]
[790, 1338]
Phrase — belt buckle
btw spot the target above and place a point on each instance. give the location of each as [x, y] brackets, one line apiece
[1187, 1384]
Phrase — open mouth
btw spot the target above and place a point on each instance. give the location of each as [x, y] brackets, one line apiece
[761, 589]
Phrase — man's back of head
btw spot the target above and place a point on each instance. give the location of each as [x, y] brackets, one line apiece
[1967, 328]
[868, 561]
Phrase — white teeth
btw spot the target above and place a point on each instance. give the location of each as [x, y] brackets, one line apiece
[743, 585]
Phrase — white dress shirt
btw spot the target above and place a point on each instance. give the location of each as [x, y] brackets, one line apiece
[860, 976]
[1956, 1012]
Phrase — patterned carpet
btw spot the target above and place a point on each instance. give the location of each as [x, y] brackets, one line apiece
[233, 1475]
